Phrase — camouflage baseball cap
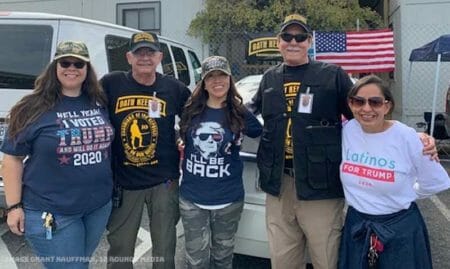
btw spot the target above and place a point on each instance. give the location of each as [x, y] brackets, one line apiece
[144, 40]
[214, 63]
[75, 49]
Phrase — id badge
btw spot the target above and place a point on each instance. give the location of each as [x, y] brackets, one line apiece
[305, 103]
[153, 109]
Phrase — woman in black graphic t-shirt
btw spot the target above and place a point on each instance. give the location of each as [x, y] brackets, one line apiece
[211, 193]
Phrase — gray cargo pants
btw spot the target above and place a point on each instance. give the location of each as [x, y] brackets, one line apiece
[124, 223]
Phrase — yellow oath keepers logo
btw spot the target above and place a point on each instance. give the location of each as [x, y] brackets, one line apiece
[143, 37]
[294, 17]
[133, 102]
[139, 136]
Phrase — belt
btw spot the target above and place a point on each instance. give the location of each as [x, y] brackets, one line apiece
[289, 172]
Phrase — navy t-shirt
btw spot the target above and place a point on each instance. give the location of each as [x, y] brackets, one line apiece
[212, 168]
[68, 169]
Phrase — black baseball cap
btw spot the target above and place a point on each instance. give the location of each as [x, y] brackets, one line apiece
[295, 19]
[144, 40]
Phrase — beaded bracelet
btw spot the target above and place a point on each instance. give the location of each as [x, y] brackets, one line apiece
[14, 206]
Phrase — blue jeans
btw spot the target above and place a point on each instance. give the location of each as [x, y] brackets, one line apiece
[73, 241]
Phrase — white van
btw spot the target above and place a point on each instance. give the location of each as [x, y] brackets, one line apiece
[29, 40]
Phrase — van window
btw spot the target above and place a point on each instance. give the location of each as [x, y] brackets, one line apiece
[2, 131]
[196, 65]
[116, 48]
[182, 65]
[166, 61]
[24, 52]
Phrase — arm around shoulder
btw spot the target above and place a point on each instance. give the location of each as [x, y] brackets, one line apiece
[431, 175]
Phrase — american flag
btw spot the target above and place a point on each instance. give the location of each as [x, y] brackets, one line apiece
[357, 52]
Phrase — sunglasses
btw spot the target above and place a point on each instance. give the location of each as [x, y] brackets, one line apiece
[67, 64]
[215, 137]
[374, 102]
[298, 37]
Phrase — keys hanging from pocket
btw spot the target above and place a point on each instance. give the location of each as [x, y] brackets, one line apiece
[372, 258]
[48, 225]
[376, 247]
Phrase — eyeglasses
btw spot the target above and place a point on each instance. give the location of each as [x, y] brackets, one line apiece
[215, 137]
[143, 53]
[67, 64]
[298, 37]
[374, 102]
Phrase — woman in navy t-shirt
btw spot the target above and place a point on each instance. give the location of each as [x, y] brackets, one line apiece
[211, 193]
[56, 166]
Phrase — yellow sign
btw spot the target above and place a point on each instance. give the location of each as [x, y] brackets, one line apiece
[263, 45]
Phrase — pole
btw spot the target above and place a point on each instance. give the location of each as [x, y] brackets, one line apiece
[436, 82]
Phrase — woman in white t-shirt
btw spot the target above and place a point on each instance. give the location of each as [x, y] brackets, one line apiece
[383, 172]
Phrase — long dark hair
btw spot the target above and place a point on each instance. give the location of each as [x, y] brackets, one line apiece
[46, 93]
[196, 105]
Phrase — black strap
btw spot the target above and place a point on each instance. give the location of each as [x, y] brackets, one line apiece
[14, 206]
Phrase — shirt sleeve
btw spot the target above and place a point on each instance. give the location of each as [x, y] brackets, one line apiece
[19, 147]
[185, 93]
[431, 175]
[253, 127]
[254, 105]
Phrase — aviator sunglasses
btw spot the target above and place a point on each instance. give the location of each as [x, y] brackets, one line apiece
[66, 64]
[298, 37]
[374, 102]
[215, 137]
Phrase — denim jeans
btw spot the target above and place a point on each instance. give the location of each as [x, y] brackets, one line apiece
[73, 241]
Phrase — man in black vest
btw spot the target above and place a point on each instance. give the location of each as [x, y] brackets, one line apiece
[302, 102]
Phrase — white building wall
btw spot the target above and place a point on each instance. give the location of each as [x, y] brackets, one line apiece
[415, 24]
[176, 15]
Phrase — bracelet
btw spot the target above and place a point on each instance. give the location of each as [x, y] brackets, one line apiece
[14, 206]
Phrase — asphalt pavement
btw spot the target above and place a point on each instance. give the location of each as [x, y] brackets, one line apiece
[16, 254]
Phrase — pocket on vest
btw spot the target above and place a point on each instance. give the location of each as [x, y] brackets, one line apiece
[323, 165]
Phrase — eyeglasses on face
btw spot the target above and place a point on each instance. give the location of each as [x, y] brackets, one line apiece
[374, 102]
[298, 37]
[215, 137]
[143, 53]
[67, 64]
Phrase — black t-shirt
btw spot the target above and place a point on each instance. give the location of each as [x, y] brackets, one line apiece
[293, 77]
[144, 150]
[212, 167]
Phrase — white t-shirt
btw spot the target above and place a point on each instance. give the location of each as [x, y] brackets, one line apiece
[384, 172]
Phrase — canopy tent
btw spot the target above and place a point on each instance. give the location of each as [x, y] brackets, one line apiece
[437, 51]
